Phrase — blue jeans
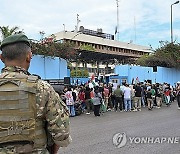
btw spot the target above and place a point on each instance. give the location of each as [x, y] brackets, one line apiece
[71, 110]
[127, 104]
[143, 100]
[83, 105]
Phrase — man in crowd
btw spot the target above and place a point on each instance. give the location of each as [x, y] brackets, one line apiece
[118, 98]
[127, 98]
[137, 99]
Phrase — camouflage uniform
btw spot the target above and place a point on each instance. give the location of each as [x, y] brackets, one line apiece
[50, 109]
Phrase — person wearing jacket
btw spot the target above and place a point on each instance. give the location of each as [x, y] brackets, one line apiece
[97, 101]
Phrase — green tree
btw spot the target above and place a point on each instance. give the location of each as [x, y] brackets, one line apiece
[167, 55]
[6, 31]
[52, 48]
[142, 61]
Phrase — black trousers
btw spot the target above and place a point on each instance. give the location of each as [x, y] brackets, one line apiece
[96, 110]
[113, 101]
[118, 101]
[178, 100]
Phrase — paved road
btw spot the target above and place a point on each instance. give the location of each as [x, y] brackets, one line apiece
[94, 135]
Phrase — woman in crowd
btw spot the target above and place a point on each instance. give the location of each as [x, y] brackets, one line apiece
[70, 102]
[106, 96]
[81, 98]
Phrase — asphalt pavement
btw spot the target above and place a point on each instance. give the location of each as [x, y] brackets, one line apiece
[142, 132]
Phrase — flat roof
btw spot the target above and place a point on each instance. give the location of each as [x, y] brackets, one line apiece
[78, 36]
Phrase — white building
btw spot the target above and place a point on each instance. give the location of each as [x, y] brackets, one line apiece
[102, 49]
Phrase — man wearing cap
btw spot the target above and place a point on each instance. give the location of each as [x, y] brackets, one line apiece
[30, 109]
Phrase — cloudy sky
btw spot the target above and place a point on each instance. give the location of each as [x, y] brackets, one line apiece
[145, 22]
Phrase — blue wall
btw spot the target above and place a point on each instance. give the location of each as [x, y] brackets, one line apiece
[55, 68]
[169, 75]
[47, 68]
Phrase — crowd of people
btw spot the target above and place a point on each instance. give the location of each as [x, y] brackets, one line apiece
[120, 98]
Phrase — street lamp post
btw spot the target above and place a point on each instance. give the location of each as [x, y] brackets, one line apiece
[171, 21]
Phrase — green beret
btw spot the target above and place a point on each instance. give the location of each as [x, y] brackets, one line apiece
[14, 39]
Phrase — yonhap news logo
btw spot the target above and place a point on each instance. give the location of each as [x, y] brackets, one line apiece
[121, 139]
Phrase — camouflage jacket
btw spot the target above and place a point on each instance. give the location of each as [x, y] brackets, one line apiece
[50, 108]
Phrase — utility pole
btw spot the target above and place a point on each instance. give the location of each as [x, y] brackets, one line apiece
[134, 29]
[78, 21]
[117, 27]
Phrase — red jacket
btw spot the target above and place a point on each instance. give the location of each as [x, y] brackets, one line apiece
[81, 96]
[167, 93]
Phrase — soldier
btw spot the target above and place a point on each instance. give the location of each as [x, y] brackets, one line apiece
[30, 109]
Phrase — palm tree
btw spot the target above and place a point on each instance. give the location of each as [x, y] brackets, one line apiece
[6, 31]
